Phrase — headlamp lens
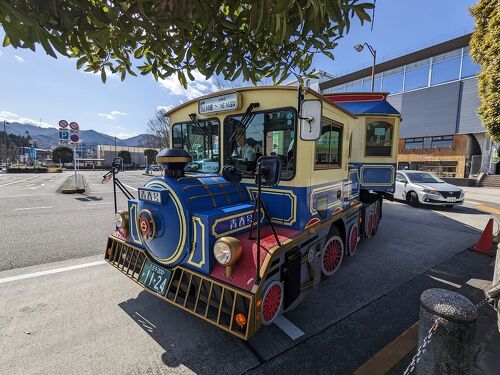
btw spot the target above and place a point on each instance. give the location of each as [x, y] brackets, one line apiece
[222, 252]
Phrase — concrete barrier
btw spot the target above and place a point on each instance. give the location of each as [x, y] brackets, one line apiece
[74, 186]
[449, 350]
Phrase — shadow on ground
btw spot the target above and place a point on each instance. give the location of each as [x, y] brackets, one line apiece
[347, 319]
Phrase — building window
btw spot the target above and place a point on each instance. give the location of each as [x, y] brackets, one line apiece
[414, 143]
[339, 88]
[354, 86]
[329, 146]
[469, 67]
[417, 75]
[367, 83]
[445, 141]
[446, 67]
[378, 139]
[392, 81]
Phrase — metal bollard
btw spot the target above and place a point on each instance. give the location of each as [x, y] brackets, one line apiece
[450, 349]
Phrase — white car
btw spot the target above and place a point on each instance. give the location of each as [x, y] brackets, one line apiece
[417, 187]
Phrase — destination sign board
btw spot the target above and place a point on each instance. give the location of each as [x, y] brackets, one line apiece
[221, 103]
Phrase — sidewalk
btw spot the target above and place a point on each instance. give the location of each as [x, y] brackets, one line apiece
[469, 274]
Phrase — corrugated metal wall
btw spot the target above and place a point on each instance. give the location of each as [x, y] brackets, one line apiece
[468, 120]
[439, 110]
[430, 112]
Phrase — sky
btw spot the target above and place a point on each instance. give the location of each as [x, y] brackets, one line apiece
[37, 88]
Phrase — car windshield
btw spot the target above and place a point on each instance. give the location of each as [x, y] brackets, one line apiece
[268, 133]
[423, 177]
[201, 142]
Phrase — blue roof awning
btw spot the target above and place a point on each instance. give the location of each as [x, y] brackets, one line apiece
[379, 107]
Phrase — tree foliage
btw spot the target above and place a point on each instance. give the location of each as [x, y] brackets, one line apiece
[159, 131]
[62, 155]
[485, 50]
[232, 38]
[150, 155]
[125, 155]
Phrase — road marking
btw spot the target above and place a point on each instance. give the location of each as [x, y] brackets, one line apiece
[32, 208]
[288, 327]
[391, 354]
[21, 180]
[26, 195]
[130, 187]
[96, 203]
[50, 272]
[486, 208]
[458, 286]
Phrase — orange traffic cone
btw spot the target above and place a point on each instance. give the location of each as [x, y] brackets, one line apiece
[485, 243]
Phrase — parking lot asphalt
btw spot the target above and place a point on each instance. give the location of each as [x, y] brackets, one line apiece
[79, 315]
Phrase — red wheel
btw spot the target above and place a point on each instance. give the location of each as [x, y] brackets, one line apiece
[369, 225]
[353, 239]
[271, 302]
[332, 255]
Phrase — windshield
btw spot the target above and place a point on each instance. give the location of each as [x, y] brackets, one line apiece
[268, 133]
[201, 142]
[423, 177]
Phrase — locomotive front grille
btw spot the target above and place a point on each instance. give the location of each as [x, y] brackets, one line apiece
[209, 299]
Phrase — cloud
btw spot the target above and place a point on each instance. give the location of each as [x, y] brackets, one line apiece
[199, 87]
[12, 117]
[164, 108]
[112, 115]
[19, 58]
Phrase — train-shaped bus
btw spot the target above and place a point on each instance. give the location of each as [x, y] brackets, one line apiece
[265, 191]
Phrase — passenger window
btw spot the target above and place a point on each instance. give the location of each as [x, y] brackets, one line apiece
[378, 139]
[329, 146]
[400, 178]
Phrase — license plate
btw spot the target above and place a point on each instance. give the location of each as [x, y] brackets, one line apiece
[155, 277]
[451, 199]
[150, 196]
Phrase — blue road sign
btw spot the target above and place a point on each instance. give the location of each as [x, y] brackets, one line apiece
[63, 135]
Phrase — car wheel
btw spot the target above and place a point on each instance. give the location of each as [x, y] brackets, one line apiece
[414, 199]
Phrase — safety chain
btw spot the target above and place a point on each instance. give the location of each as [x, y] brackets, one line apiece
[427, 338]
[421, 349]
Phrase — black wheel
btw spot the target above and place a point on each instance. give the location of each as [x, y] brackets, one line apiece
[449, 206]
[413, 198]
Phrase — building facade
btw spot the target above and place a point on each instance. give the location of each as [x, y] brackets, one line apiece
[435, 89]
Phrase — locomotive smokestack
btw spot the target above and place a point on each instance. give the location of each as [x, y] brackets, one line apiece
[173, 161]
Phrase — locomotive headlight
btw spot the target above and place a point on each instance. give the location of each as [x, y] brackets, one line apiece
[121, 219]
[227, 251]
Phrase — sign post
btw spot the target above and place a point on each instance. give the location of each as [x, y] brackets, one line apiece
[70, 136]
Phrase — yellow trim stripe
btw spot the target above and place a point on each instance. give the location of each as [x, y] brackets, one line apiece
[193, 250]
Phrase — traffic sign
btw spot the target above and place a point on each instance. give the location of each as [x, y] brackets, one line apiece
[74, 126]
[63, 134]
[74, 138]
[63, 124]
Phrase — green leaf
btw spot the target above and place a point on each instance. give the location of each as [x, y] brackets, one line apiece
[103, 75]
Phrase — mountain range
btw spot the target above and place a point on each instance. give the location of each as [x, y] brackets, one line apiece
[49, 137]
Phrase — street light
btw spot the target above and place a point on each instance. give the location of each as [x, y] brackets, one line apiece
[5, 141]
[359, 48]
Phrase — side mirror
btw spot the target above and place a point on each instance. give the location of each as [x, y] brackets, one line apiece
[310, 119]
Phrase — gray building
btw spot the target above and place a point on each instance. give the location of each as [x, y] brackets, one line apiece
[435, 89]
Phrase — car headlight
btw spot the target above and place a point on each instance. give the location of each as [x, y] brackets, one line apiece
[121, 219]
[431, 191]
[227, 251]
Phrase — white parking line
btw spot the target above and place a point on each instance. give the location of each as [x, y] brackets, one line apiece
[50, 272]
[25, 195]
[21, 180]
[288, 327]
[32, 208]
[130, 187]
[97, 203]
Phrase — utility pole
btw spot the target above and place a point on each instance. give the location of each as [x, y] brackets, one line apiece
[5, 141]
